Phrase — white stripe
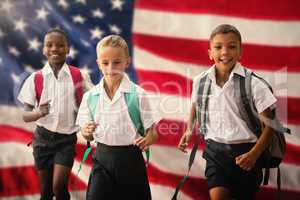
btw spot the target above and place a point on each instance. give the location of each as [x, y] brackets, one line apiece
[283, 83]
[161, 158]
[74, 196]
[159, 192]
[16, 155]
[167, 107]
[199, 27]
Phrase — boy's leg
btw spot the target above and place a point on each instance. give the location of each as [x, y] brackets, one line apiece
[219, 193]
[45, 178]
[61, 176]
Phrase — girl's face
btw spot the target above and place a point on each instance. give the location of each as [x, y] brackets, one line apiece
[225, 51]
[55, 48]
[113, 61]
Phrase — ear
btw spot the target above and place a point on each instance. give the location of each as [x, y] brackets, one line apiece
[128, 62]
[209, 54]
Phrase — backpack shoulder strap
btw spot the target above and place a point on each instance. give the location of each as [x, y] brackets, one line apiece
[77, 81]
[92, 101]
[132, 102]
[203, 91]
[242, 89]
[38, 85]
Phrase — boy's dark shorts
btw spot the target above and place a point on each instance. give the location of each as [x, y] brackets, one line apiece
[222, 171]
[51, 148]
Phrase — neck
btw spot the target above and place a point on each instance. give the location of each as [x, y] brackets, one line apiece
[111, 85]
[56, 68]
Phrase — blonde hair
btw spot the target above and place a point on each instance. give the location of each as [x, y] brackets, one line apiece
[112, 41]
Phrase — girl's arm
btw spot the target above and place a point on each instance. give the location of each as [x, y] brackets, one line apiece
[149, 138]
[30, 115]
[247, 161]
[184, 141]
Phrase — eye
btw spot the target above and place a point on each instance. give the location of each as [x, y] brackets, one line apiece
[217, 47]
[117, 62]
[232, 46]
[104, 63]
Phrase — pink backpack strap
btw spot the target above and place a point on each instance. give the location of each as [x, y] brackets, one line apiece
[78, 83]
[38, 85]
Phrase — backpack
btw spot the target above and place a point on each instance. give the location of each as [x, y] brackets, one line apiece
[274, 152]
[132, 103]
[76, 78]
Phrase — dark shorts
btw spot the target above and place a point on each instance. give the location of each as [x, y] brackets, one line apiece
[221, 169]
[118, 172]
[51, 148]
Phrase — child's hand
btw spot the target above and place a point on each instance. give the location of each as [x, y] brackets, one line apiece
[44, 108]
[184, 141]
[246, 161]
[144, 142]
[88, 129]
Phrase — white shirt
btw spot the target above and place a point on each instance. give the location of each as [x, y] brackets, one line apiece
[114, 123]
[60, 92]
[225, 124]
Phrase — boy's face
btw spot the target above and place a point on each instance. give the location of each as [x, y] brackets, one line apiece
[112, 61]
[225, 50]
[55, 48]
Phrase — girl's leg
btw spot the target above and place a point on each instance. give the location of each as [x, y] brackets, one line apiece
[219, 193]
[45, 178]
[61, 176]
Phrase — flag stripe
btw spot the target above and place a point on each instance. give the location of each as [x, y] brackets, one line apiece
[193, 26]
[280, 10]
[24, 186]
[195, 52]
[146, 78]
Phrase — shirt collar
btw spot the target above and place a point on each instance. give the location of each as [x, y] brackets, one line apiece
[124, 86]
[238, 69]
[48, 70]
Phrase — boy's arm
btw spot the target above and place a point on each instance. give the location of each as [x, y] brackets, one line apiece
[247, 161]
[30, 115]
[184, 141]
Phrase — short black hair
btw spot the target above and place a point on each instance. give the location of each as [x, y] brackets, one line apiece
[60, 31]
[223, 29]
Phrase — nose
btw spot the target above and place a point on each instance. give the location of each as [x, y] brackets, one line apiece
[224, 51]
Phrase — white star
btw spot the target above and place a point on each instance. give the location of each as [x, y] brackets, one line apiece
[78, 19]
[81, 1]
[42, 14]
[96, 33]
[29, 68]
[63, 4]
[115, 29]
[34, 44]
[1, 34]
[73, 52]
[20, 25]
[6, 6]
[98, 13]
[117, 4]
[14, 51]
[15, 77]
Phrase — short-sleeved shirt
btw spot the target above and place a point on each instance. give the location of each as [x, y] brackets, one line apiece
[225, 124]
[60, 92]
[115, 126]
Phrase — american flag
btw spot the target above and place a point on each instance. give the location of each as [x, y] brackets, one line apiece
[168, 40]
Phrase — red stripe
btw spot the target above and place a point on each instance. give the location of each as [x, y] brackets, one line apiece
[170, 132]
[197, 189]
[256, 9]
[258, 57]
[17, 181]
[174, 84]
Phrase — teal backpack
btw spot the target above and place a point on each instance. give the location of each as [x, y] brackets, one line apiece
[132, 102]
